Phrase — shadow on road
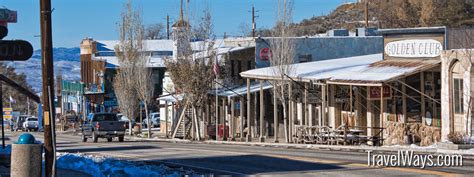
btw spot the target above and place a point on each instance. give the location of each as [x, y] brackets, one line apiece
[100, 149]
[246, 164]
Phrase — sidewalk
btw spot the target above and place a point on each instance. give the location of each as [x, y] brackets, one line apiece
[362, 148]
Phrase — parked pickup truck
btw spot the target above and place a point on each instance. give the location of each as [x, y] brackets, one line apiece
[103, 125]
[31, 123]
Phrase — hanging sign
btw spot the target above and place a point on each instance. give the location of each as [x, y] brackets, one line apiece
[414, 48]
[374, 93]
[265, 53]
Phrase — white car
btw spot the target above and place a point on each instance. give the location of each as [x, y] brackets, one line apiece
[31, 123]
[155, 120]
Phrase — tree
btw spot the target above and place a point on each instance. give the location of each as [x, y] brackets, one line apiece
[144, 87]
[20, 99]
[155, 31]
[192, 73]
[129, 51]
[204, 29]
[283, 52]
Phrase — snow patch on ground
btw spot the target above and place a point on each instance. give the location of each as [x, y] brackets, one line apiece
[99, 166]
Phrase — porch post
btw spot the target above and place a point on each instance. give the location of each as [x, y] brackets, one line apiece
[323, 105]
[422, 89]
[332, 107]
[224, 118]
[404, 102]
[381, 113]
[290, 112]
[305, 107]
[370, 118]
[232, 118]
[275, 115]
[242, 119]
[249, 137]
[262, 112]
[166, 119]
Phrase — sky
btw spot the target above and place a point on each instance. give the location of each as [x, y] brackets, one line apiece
[74, 20]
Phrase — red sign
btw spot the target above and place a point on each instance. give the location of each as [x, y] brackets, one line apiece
[374, 93]
[265, 53]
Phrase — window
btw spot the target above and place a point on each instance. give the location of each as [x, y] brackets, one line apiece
[458, 95]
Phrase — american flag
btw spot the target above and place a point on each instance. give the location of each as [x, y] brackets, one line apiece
[216, 67]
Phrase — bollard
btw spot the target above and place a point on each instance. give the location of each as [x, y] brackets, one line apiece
[26, 157]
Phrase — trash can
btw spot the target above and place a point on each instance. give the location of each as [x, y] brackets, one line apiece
[26, 157]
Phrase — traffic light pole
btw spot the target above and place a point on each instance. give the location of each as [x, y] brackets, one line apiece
[48, 84]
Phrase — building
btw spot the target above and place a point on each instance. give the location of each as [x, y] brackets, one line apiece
[394, 97]
[99, 64]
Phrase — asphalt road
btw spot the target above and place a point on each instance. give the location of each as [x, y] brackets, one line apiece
[245, 160]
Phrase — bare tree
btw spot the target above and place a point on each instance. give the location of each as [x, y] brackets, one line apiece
[282, 48]
[245, 29]
[204, 29]
[128, 51]
[192, 74]
[155, 31]
[144, 87]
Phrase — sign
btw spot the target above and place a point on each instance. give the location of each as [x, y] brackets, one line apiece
[7, 15]
[374, 93]
[414, 48]
[265, 53]
[7, 113]
[17, 50]
[3, 31]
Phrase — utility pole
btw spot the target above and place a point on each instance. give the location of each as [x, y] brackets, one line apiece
[168, 27]
[366, 13]
[48, 85]
[254, 25]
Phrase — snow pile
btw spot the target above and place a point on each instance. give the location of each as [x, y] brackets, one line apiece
[412, 146]
[102, 167]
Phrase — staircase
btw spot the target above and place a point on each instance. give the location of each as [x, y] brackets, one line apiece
[184, 127]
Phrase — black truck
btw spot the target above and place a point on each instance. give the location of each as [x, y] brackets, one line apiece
[103, 125]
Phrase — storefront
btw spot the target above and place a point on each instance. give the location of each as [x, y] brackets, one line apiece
[389, 98]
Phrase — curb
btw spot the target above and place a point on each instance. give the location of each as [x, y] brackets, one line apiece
[427, 150]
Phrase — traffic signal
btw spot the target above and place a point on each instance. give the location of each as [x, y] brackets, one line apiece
[14, 50]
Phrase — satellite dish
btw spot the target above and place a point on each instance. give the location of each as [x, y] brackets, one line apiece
[429, 118]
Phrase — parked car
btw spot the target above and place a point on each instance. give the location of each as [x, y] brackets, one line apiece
[19, 122]
[155, 120]
[103, 125]
[125, 119]
[31, 123]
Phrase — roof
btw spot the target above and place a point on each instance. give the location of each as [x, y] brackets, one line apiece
[150, 45]
[317, 70]
[221, 51]
[437, 29]
[383, 71]
[241, 90]
[171, 98]
[359, 70]
[112, 61]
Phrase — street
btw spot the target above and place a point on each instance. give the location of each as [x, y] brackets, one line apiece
[242, 160]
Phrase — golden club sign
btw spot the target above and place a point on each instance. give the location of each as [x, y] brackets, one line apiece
[414, 48]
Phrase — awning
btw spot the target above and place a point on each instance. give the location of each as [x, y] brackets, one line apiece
[240, 91]
[366, 70]
[171, 98]
[383, 71]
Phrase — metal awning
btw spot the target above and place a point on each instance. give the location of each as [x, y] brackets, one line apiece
[171, 98]
[383, 71]
[240, 91]
[367, 70]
